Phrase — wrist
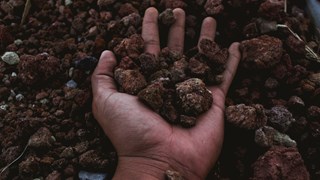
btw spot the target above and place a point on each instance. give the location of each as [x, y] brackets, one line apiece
[147, 168]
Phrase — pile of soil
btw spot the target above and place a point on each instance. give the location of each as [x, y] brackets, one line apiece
[45, 89]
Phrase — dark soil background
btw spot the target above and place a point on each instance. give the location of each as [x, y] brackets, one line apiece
[45, 98]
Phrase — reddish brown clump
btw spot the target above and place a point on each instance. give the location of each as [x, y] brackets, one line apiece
[153, 95]
[39, 68]
[167, 17]
[248, 117]
[126, 9]
[296, 45]
[261, 53]
[280, 163]
[214, 7]
[132, 47]
[5, 37]
[272, 9]
[193, 96]
[172, 4]
[131, 81]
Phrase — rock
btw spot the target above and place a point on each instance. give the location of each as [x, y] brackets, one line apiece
[213, 7]
[30, 166]
[280, 118]
[187, 121]
[68, 2]
[280, 163]
[71, 84]
[268, 137]
[55, 175]
[153, 95]
[93, 160]
[42, 139]
[132, 47]
[173, 175]
[296, 46]
[81, 147]
[167, 17]
[172, 4]
[248, 117]
[67, 153]
[148, 63]
[39, 68]
[10, 58]
[271, 83]
[193, 97]
[131, 81]
[295, 102]
[105, 3]
[19, 97]
[84, 175]
[261, 53]
[272, 10]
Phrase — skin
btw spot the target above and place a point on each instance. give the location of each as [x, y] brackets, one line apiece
[146, 144]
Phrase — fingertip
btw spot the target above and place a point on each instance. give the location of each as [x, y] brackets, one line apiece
[208, 29]
[178, 12]
[106, 63]
[210, 21]
[152, 12]
[234, 50]
[107, 55]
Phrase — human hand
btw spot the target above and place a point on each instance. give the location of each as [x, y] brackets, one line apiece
[146, 144]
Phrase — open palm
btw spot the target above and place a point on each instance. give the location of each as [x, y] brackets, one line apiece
[146, 144]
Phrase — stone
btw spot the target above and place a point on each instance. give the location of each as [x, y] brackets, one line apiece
[268, 137]
[42, 139]
[10, 58]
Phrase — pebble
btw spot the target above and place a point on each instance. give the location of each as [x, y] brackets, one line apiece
[44, 101]
[19, 97]
[43, 138]
[4, 107]
[83, 175]
[71, 70]
[71, 84]
[11, 58]
[280, 118]
[268, 137]
[14, 74]
[68, 2]
[67, 153]
[18, 42]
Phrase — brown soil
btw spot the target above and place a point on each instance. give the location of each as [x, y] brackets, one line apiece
[45, 99]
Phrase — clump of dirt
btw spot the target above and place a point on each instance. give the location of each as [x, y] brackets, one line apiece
[167, 17]
[280, 162]
[59, 45]
[261, 53]
[39, 68]
[174, 89]
[249, 117]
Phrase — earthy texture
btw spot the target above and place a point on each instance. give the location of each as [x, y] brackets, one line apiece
[261, 53]
[59, 45]
[280, 163]
[248, 117]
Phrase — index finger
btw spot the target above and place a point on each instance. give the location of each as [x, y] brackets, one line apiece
[150, 32]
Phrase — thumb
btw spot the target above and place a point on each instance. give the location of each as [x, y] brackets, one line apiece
[102, 77]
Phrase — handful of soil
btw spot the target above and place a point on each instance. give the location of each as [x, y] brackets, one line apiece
[172, 84]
